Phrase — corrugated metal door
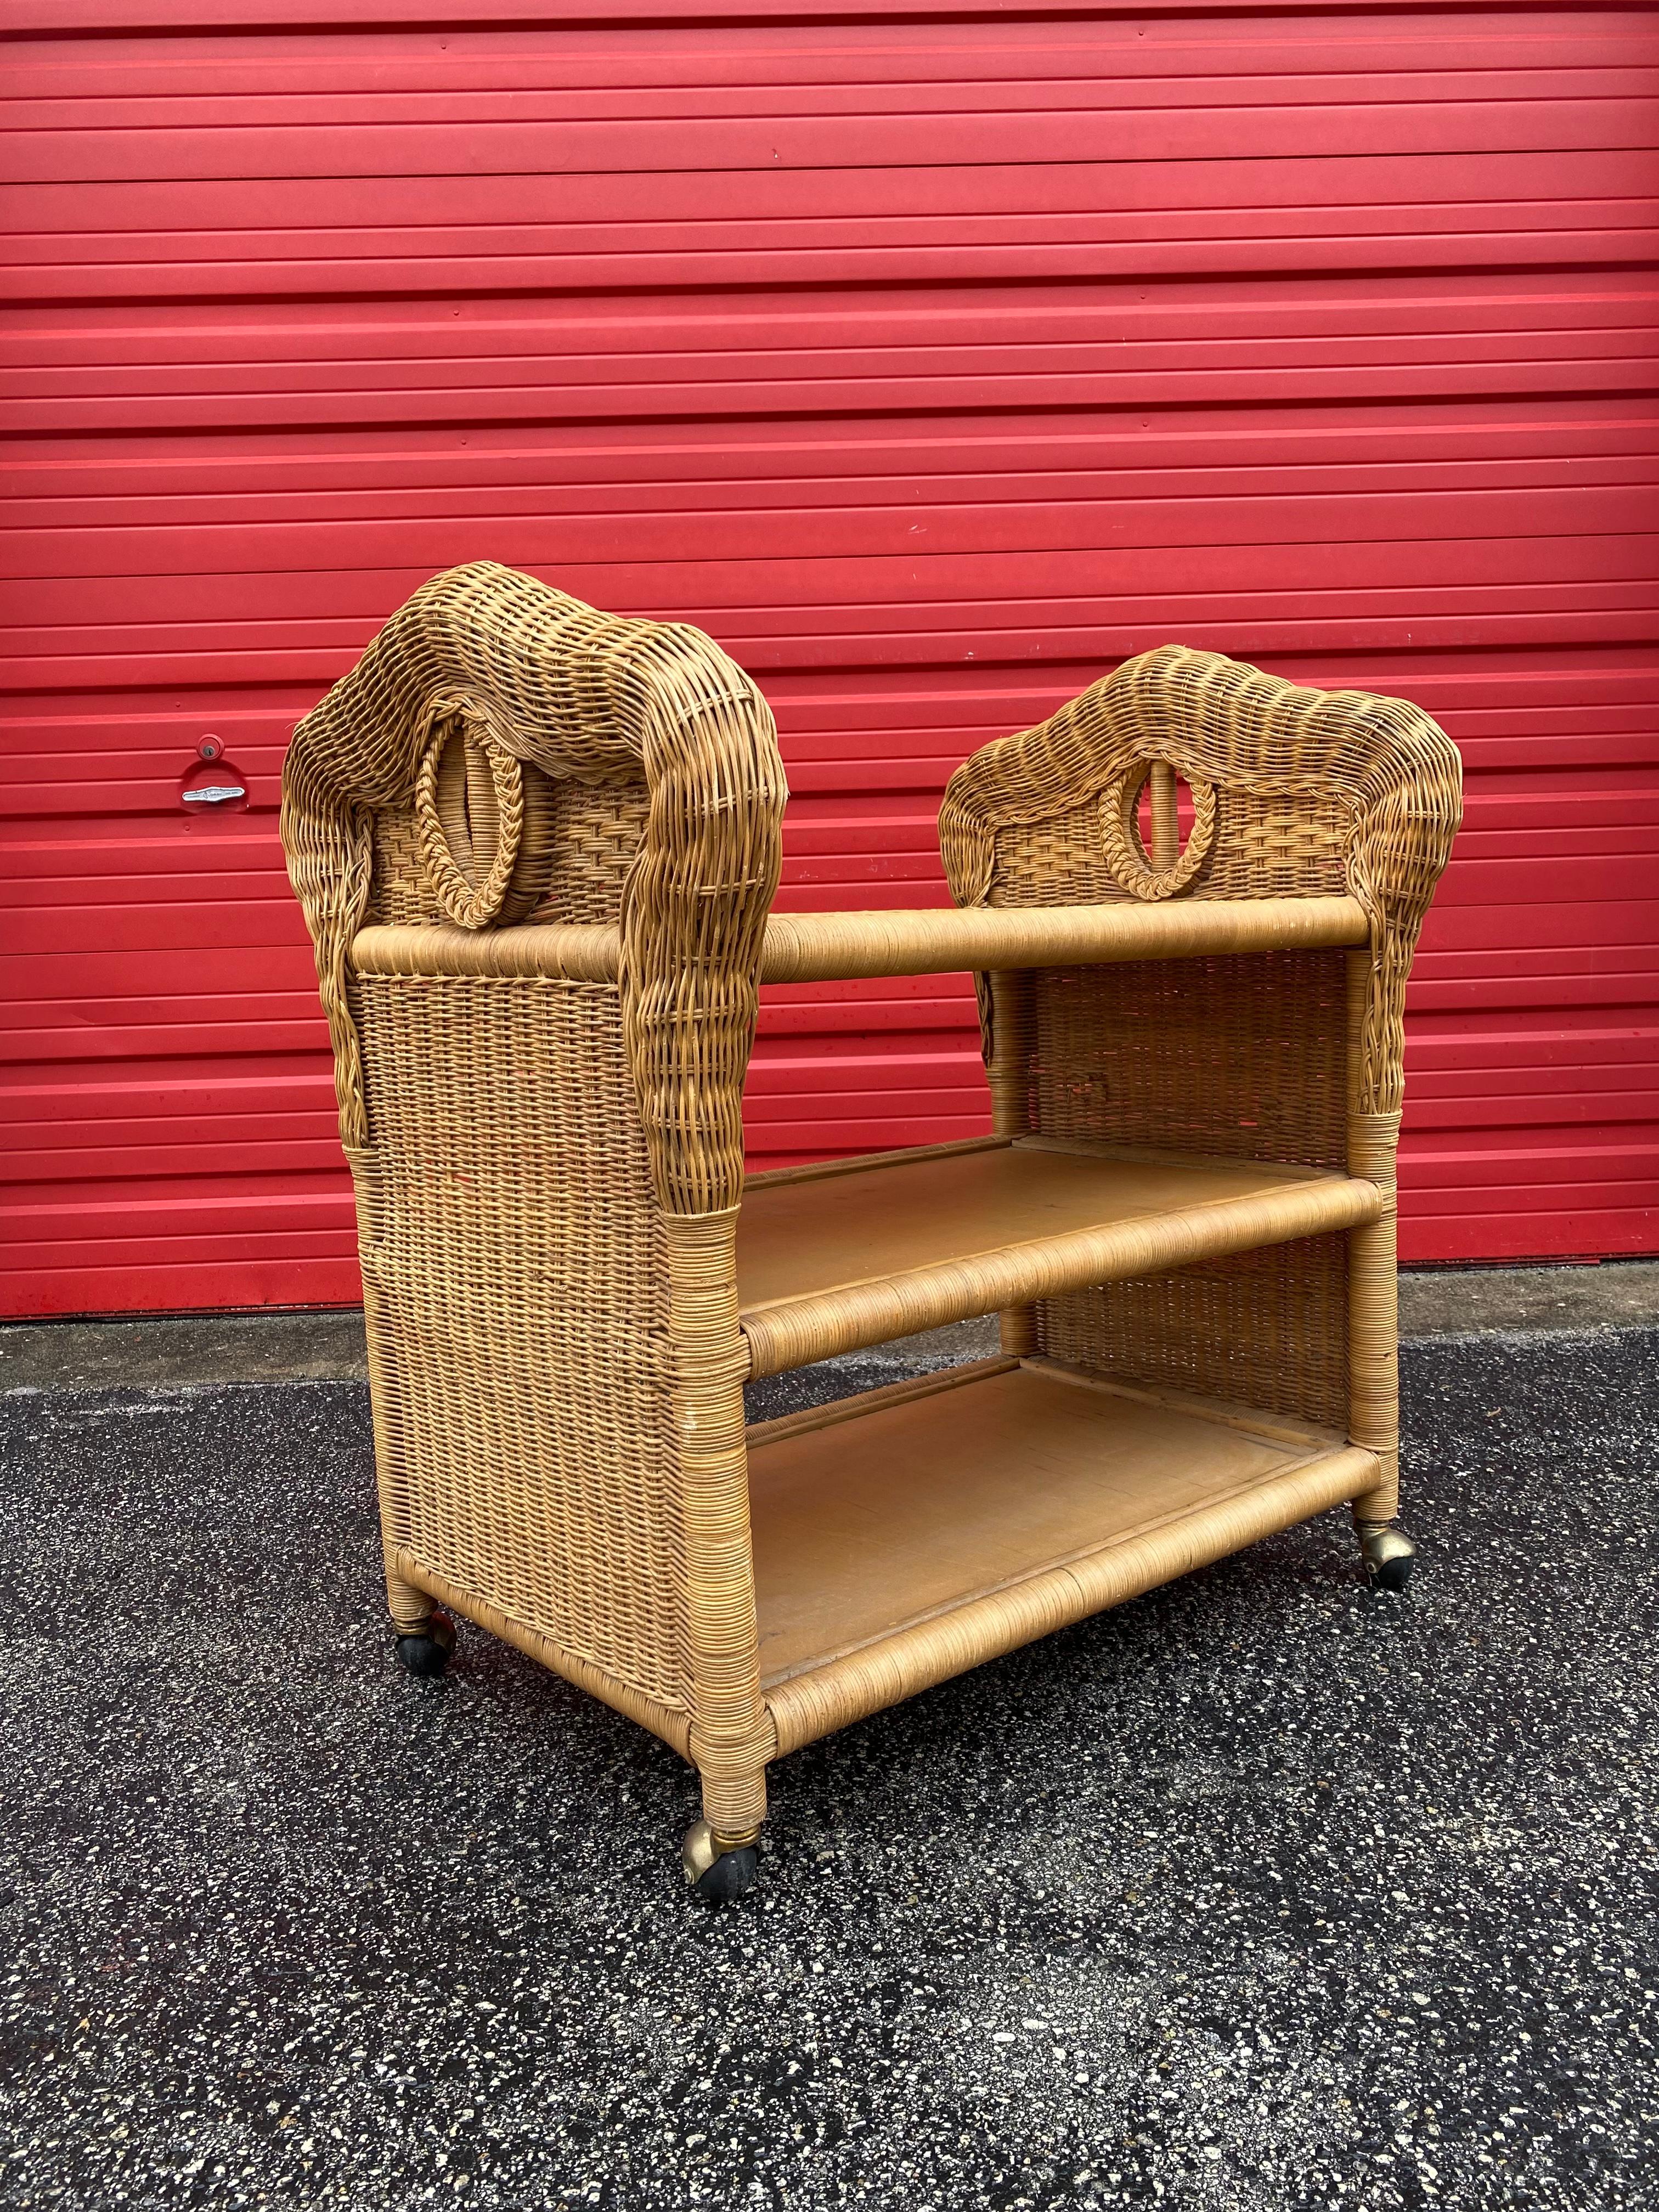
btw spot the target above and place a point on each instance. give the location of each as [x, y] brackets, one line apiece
[932, 365]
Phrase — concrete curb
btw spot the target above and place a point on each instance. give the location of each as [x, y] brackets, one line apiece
[147, 1353]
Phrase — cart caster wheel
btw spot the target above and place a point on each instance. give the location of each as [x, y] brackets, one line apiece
[427, 1653]
[717, 1875]
[1389, 1555]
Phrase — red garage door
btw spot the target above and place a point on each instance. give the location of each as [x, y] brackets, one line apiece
[932, 364]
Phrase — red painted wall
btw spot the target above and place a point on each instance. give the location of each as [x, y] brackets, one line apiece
[932, 365]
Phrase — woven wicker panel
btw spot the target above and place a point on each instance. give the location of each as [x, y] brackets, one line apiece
[1245, 1057]
[1267, 1329]
[400, 891]
[1061, 861]
[516, 1289]
[597, 833]
[1268, 843]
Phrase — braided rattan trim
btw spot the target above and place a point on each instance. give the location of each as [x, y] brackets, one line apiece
[539, 679]
[1118, 807]
[472, 906]
[1315, 789]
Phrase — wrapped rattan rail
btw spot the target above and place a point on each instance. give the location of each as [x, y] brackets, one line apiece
[793, 1332]
[816, 948]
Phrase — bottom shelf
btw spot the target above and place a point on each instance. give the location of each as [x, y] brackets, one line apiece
[903, 1537]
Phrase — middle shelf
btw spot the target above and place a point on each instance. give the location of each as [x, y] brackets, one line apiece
[857, 1252]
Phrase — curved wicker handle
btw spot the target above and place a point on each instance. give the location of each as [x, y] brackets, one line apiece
[1367, 793]
[551, 689]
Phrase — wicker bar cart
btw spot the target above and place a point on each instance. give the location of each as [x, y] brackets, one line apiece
[537, 848]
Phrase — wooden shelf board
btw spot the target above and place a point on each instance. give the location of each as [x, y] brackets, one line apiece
[872, 1249]
[810, 1235]
[927, 1501]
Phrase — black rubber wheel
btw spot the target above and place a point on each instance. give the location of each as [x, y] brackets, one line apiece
[1393, 1575]
[731, 1874]
[428, 1656]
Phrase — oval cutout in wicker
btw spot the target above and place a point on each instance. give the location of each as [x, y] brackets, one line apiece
[1120, 829]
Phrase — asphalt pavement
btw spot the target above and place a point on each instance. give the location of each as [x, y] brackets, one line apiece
[1262, 1894]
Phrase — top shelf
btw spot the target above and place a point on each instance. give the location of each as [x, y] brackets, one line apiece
[821, 948]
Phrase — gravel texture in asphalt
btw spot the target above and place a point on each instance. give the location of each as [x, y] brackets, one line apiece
[1263, 1892]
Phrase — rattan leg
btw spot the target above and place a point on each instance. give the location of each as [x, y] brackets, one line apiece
[1374, 1396]
[1007, 1024]
[424, 1635]
[731, 1737]
[1374, 1359]
[412, 1609]
[719, 1792]
[1374, 1317]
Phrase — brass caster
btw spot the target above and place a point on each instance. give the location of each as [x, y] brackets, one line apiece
[1387, 1552]
[428, 1653]
[716, 1869]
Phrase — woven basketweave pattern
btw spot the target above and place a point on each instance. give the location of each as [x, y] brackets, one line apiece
[1265, 1328]
[399, 890]
[516, 1274]
[598, 831]
[1294, 793]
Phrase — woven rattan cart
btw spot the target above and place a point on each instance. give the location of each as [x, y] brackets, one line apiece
[537, 848]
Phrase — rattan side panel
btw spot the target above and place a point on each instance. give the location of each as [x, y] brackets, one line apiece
[516, 1281]
[1243, 1057]
[485, 691]
[1293, 792]
[1267, 1329]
